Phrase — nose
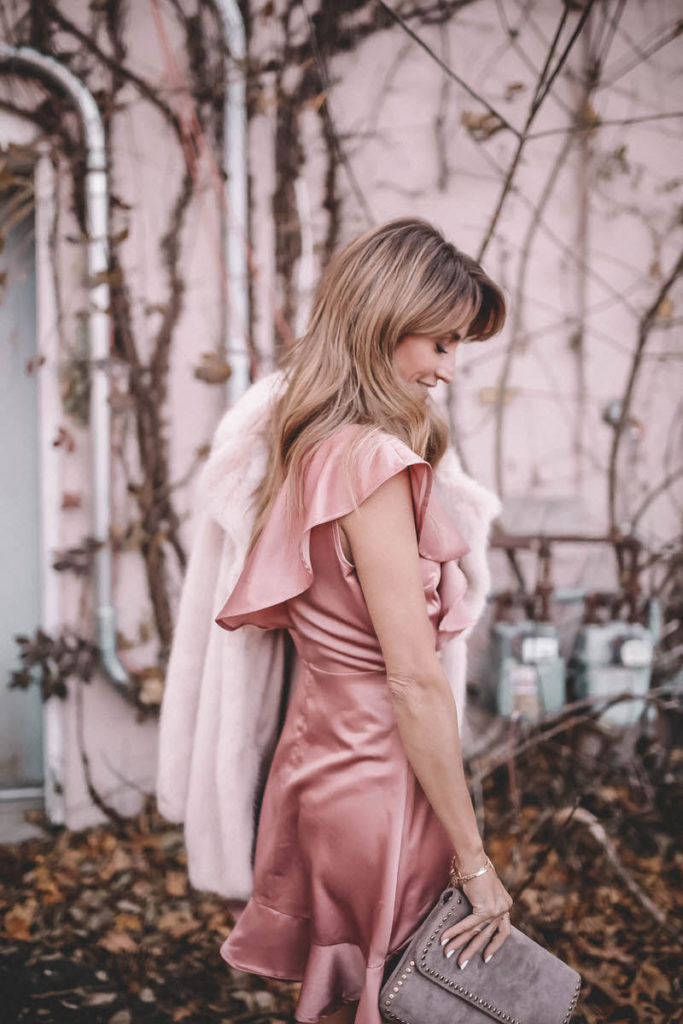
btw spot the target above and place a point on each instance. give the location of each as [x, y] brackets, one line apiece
[446, 368]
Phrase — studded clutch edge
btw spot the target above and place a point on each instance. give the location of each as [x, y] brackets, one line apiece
[523, 983]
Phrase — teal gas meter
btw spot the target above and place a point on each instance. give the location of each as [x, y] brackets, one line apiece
[526, 673]
[612, 657]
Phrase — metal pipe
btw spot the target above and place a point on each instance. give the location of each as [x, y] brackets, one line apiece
[28, 62]
[235, 219]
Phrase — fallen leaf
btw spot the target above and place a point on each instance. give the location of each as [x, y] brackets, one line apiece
[119, 861]
[176, 883]
[46, 885]
[127, 922]
[71, 858]
[118, 942]
[121, 1017]
[177, 923]
[100, 999]
[19, 919]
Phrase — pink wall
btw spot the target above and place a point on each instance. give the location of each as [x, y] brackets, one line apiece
[385, 101]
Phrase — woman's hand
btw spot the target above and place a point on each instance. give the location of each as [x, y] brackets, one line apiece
[490, 919]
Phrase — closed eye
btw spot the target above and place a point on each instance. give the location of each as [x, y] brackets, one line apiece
[453, 339]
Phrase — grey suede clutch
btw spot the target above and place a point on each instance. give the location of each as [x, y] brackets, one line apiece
[522, 984]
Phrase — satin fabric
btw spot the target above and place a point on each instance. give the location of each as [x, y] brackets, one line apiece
[349, 855]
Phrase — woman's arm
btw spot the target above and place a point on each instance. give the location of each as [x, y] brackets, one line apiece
[381, 534]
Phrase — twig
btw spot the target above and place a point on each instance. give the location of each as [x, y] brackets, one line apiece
[544, 853]
[572, 715]
[646, 323]
[591, 126]
[99, 801]
[542, 89]
[334, 135]
[516, 329]
[56, 992]
[117, 67]
[654, 493]
[515, 795]
[449, 71]
[597, 831]
[643, 55]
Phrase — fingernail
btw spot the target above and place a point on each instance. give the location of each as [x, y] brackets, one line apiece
[444, 941]
[450, 953]
[464, 965]
[487, 958]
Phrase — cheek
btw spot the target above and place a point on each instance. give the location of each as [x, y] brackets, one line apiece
[402, 362]
[411, 357]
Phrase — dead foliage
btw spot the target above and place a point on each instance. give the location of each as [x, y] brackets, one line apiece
[102, 926]
[583, 823]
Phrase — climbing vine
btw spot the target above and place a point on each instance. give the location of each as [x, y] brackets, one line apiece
[299, 70]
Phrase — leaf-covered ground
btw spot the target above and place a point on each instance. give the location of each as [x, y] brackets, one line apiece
[101, 925]
[104, 927]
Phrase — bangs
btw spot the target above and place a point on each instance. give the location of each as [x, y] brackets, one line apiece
[459, 299]
[446, 318]
[490, 312]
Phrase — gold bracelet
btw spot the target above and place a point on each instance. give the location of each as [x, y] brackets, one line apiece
[458, 879]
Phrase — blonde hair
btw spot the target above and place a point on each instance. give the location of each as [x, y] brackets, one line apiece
[397, 279]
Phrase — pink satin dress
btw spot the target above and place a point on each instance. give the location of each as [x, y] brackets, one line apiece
[349, 854]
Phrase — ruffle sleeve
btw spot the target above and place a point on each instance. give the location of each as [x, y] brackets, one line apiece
[278, 567]
[444, 544]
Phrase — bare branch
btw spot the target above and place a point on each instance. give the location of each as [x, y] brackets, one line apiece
[539, 96]
[334, 135]
[598, 833]
[646, 322]
[591, 126]
[449, 71]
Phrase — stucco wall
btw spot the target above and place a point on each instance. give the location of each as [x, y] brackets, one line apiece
[585, 238]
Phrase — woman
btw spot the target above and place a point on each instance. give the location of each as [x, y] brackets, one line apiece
[366, 806]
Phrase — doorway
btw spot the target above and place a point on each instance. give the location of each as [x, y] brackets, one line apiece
[21, 717]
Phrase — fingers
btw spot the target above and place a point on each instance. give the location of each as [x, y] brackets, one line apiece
[471, 924]
[504, 929]
[477, 943]
[472, 933]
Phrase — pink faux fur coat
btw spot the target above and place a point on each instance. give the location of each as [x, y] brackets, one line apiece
[222, 702]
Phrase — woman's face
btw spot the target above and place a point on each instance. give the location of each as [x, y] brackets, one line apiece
[423, 360]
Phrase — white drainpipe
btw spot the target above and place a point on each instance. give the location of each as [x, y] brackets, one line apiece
[235, 218]
[28, 62]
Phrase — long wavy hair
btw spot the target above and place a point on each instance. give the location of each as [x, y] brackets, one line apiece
[398, 279]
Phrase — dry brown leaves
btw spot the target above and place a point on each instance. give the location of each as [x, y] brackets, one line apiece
[589, 846]
[102, 927]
